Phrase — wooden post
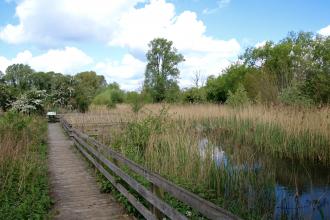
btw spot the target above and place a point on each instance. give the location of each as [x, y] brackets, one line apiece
[160, 194]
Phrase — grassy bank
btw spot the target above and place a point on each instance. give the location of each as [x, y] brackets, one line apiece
[23, 168]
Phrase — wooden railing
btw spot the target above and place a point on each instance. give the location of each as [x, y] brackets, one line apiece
[95, 152]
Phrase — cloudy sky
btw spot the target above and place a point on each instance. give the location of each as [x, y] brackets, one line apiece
[111, 36]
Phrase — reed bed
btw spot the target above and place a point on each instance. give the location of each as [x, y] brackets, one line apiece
[286, 132]
[293, 120]
[233, 167]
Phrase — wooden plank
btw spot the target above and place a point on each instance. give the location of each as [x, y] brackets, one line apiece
[160, 193]
[74, 190]
[139, 206]
[145, 193]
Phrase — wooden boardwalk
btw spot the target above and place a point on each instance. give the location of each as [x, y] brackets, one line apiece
[73, 187]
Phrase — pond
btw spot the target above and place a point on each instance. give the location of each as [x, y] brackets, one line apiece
[301, 190]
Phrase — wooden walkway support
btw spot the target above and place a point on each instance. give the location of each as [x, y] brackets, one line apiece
[74, 189]
[109, 163]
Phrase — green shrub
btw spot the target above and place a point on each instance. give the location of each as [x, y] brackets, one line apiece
[293, 96]
[194, 95]
[239, 98]
[136, 101]
[104, 98]
[109, 97]
[117, 95]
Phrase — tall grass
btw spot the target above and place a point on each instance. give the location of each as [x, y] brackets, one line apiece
[284, 132]
[23, 168]
[167, 141]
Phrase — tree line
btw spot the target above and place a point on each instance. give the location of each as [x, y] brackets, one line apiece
[294, 71]
[25, 90]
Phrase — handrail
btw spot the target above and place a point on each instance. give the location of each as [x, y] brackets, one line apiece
[91, 149]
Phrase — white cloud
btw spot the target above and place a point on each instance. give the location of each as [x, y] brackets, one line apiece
[220, 4]
[159, 20]
[325, 31]
[128, 72]
[202, 52]
[260, 44]
[119, 23]
[68, 60]
[48, 22]
[205, 64]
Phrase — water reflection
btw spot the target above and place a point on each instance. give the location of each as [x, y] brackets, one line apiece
[308, 204]
[302, 190]
[217, 153]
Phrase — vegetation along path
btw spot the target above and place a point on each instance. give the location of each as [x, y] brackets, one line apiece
[74, 189]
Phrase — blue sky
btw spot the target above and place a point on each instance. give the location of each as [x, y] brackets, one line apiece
[111, 37]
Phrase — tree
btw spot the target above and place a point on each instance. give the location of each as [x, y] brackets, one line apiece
[217, 88]
[110, 96]
[41, 80]
[87, 84]
[2, 80]
[90, 81]
[7, 96]
[30, 102]
[162, 69]
[18, 76]
[62, 90]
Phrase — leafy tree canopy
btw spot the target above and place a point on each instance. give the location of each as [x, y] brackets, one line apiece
[162, 69]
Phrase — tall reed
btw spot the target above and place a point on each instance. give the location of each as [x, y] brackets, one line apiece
[234, 168]
[23, 169]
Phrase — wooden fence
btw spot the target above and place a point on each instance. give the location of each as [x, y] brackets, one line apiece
[95, 152]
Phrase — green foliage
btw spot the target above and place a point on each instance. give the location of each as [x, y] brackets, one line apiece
[24, 190]
[238, 98]
[110, 96]
[117, 96]
[162, 70]
[293, 96]
[87, 84]
[136, 101]
[90, 81]
[194, 95]
[7, 96]
[82, 102]
[173, 93]
[217, 88]
[104, 98]
[270, 70]
[18, 76]
[138, 133]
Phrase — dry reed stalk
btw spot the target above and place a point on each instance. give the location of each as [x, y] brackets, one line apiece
[294, 121]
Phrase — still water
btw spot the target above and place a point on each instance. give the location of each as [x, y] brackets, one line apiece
[302, 190]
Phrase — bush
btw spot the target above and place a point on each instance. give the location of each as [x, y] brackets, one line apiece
[104, 98]
[7, 96]
[109, 97]
[239, 98]
[194, 95]
[117, 96]
[30, 102]
[136, 101]
[293, 96]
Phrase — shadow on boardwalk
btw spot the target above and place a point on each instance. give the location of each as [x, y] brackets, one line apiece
[73, 187]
